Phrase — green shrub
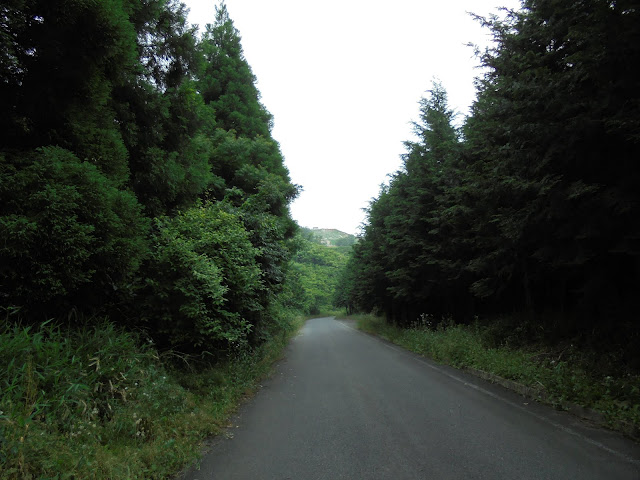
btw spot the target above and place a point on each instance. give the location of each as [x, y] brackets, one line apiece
[68, 237]
[202, 281]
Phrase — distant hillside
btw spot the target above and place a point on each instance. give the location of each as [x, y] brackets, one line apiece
[329, 237]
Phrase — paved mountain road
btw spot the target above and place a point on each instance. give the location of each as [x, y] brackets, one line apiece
[345, 405]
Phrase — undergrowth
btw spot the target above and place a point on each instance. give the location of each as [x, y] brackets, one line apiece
[565, 374]
[100, 403]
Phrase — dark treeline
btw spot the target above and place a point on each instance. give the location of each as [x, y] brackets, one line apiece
[138, 175]
[530, 210]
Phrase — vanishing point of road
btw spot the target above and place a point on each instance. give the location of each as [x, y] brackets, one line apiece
[346, 405]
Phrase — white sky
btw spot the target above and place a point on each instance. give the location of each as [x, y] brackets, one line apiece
[343, 78]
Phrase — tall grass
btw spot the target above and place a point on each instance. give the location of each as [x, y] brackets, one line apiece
[570, 375]
[99, 403]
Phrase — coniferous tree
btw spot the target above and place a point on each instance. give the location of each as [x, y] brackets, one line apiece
[407, 268]
[110, 123]
[228, 84]
[63, 59]
[244, 157]
[555, 121]
[533, 212]
[73, 236]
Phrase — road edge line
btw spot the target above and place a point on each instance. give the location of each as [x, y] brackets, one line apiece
[423, 360]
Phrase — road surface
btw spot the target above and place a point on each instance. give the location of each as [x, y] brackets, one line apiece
[346, 405]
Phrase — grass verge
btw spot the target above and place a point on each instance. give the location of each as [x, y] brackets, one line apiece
[98, 403]
[570, 376]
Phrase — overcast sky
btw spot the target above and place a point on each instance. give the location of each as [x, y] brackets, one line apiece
[343, 78]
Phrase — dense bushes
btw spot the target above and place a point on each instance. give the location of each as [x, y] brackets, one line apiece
[68, 237]
[135, 182]
[73, 392]
[96, 401]
[203, 280]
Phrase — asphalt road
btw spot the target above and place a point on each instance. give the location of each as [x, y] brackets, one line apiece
[345, 405]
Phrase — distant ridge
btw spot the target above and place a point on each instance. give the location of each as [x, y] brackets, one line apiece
[330, 237]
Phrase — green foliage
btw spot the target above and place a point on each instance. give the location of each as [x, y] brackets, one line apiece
[128, 101]
[314, 274]
[69, 237]
[67, 393]
[346, 290]
[138, 180]
[248, 167]
[557, 101]
[519, 213]
[203, 280]
[97, 402]
[64, 58]
[402, 262]
[227, 82]
[171, 169]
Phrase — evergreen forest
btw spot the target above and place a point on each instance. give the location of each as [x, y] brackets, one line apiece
[525, 217]
[138, 175]
[150, 269]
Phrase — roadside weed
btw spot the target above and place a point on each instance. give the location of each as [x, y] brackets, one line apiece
[99, 403]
